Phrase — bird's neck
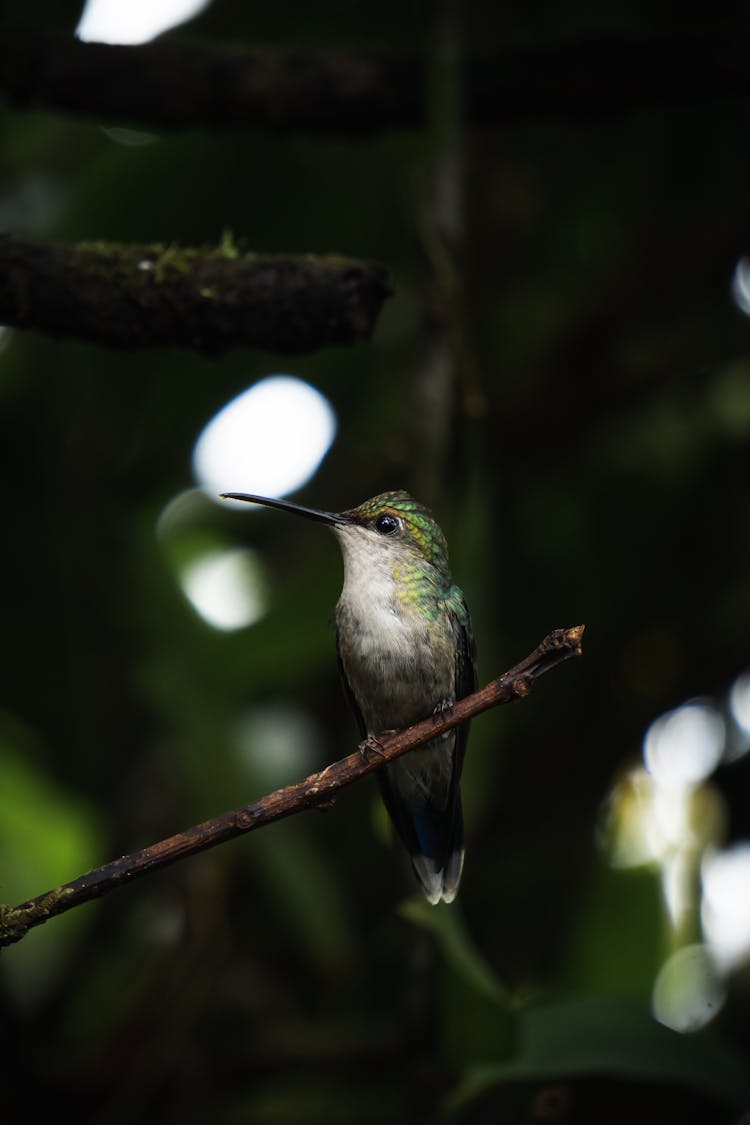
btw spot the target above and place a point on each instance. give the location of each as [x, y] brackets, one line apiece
[388, 581]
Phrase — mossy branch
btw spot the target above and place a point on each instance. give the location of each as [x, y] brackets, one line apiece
[208, 299]
[318, 789]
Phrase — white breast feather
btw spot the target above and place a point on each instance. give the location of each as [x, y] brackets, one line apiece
[369, 596]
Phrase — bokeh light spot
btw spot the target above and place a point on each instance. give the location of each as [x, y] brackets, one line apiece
[277, 742]
[270, 439]
[227, 588]
[684, 746]
[137, 21]
[739, 709]
[725, 910]
[688, 991]
[741, 285]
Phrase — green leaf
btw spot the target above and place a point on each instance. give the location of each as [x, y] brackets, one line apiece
[614, 1037]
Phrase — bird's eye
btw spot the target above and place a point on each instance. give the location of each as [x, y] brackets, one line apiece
[386, 525]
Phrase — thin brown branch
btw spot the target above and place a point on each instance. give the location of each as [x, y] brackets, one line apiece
[174, 84]
[318, 789]
[209, 299]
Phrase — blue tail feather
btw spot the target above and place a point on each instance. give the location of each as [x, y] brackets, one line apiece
[433, 837]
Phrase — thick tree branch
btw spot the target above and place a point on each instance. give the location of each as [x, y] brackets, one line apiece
[171, 84]
[348, 91]
[130, 296]
[318, 789]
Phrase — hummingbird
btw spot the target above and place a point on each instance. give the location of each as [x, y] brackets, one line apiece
[405, 651]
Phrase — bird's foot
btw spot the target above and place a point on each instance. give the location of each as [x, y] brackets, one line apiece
[441, 709]
[371, 745]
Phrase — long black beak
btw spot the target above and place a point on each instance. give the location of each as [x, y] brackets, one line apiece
[331, 518]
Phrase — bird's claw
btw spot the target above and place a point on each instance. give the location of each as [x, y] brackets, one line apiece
[441, 709]
[371, 745]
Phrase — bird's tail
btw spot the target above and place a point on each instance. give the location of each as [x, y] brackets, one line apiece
[438, 868]
[433, 836]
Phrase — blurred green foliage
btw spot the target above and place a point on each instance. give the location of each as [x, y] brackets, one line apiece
[51, 832]
[594, 469]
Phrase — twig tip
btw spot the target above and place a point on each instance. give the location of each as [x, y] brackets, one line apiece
[574, 637]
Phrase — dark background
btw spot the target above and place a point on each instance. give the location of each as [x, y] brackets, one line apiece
[573, 400]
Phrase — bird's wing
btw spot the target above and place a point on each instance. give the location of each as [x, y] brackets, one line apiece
[466, 664]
